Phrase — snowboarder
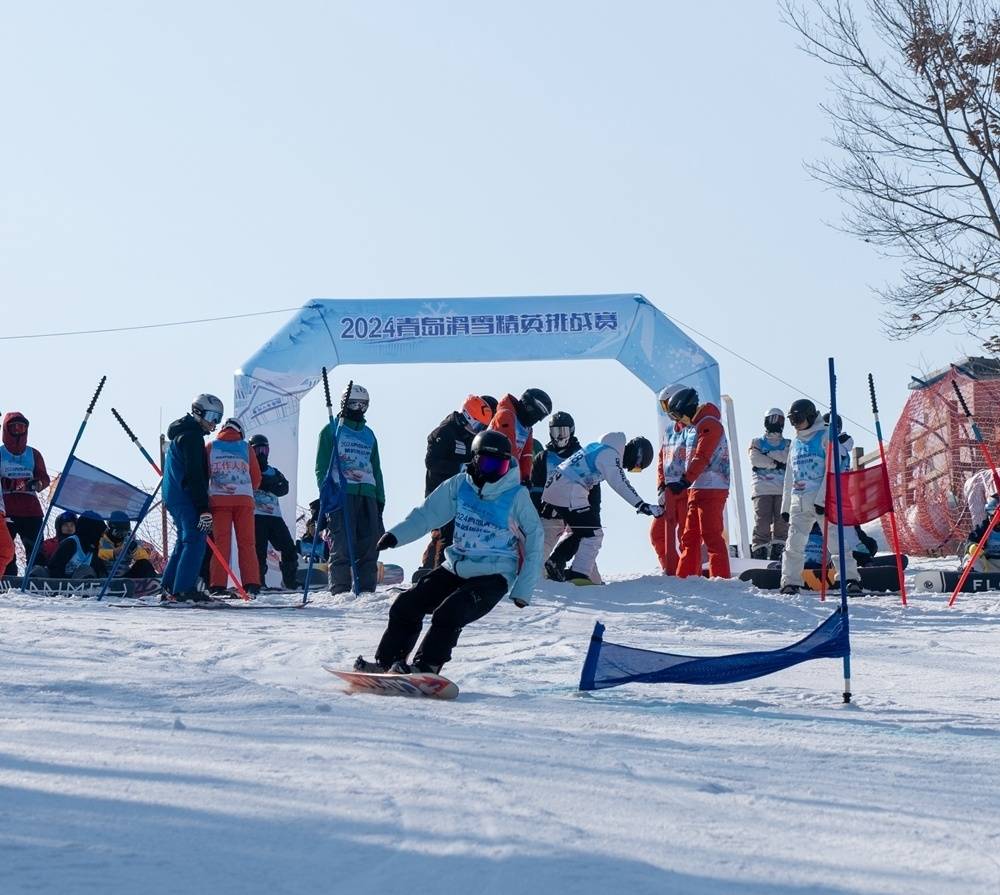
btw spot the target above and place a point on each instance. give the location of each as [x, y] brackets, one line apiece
[664, 532]
[65, 526]
[22, 476]
[706, 478]
[804, 497]
[139, 562]
[233, 476]
[768, 458]
[494, 522]
[269, 526]
[77, 555]
[567, 497]
[562, 444]
[185, 495]
[514, 418]
[448, 450]
[365, 497]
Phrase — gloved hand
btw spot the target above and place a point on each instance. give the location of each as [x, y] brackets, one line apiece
[784, 517]
[387, 541]
[819, 509]
[677, 487]
[205, 523]
[649, 509]
[35, 485]
[779, 465]
[519, 603]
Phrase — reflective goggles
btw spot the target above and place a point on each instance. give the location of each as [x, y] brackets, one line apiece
[212, 416]
[491, 465]
[356, 404]
[262, 449]
[675, 416]
[17, 427]
[560, 434]
[119, 532]
[794, 417]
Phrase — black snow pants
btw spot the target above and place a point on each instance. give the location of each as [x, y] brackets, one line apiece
[273, 530]
[452, 603]
[366, 529]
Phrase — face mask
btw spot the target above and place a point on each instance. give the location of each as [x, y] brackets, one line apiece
[560, 435]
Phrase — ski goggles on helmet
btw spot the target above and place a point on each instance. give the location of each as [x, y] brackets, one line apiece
[795, 417]
[212, 416]
[118, 531]
[492, 467]
[561, 434]
[17, 427]
[356, 404]
[262, 449]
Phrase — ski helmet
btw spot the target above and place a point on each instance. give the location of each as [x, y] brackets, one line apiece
[638, 454]
[477, 413]
[490, 455]
[208, 408]
[61, 520]
[683, 404]
[802, 410]
[535, 405]
[354, 402]
[666, 393]
[235, 425]
[561, 428]
[259, 440]
[840, 422]
[489, 399]
[774, 421]
[119, 526]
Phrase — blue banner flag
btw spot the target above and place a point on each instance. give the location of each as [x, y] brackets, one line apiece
[84, 486]
[611, 664]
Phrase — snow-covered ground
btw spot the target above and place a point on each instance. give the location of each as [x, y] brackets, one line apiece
[178, 751]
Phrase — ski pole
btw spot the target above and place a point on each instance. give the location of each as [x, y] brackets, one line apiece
[842, 559]
[211, 544]
[319, 509]
[62, 478]
[973, 556]
[893, 528]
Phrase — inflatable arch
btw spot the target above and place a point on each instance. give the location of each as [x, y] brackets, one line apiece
[328, 332]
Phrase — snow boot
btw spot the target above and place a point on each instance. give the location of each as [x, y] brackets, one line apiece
[758, 553]
[369, 667]
[419, 665]
[215, 591]
[555, 571]
[790, 589]
[400, 667]
[776, 551]
[253, 590]
[854, 586]
[289, 571]
[193, 596]
[579, 579]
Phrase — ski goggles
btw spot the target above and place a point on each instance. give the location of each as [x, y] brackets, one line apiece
[262, 449]
[356, 404]
[560, 434]
[212, 416]
[471, 423]
[534, 411]
[17, 427]
[119, 532]
[794, 417]
[490, 465]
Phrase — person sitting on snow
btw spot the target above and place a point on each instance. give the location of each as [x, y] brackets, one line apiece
[497, 549]
[804, 498]
[269, 525]
[706, 479]
[139, 562]
[982, 500]
[22, 476]
[768, 457]
[65, 526]
[567, 497]
[77, 555]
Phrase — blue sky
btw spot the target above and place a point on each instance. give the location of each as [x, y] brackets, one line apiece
[183, 160]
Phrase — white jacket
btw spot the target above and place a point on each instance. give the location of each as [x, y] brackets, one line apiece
[561, 491]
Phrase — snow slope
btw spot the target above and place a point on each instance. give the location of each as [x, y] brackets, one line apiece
[178, 751]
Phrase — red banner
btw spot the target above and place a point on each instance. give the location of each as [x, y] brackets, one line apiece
[865, 494]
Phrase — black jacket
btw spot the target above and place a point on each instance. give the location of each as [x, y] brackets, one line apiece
[190, 468]
[448, 450]
[273, 481]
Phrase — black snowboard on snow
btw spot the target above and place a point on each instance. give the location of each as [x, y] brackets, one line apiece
[83, 587]
[938, 582]
[873, 578]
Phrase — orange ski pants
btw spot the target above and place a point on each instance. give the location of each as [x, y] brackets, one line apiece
[704, 522]
[224, 520]
[7, 545]
[663, 533]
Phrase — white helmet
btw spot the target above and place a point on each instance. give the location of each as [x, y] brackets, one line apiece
[354, 402]
[357, 393]
[666, 393]
[208, 407]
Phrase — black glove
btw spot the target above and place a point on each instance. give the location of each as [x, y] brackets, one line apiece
[820, 511]
[649, 509]
[779, 465]
[784, 517]
[519, 603]
[387, 541]
[677, 487]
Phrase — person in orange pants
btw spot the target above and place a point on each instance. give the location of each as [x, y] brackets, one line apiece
[664, 533]
[6, 541]
[234, 474]
[706, 482]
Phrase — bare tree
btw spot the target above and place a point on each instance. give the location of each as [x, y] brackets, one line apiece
[917, 124]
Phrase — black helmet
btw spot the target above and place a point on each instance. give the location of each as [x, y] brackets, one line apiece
[561, 428]
[802, 409]
[840, 422]
[683, 403]
[638, 454]
[489, 399]
[535, 405]
[259, 438]
[490, 456]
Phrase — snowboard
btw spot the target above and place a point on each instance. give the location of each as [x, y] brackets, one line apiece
[873, 578]
[937, 582]
[433, 686]
[388, 573]
[83, 587]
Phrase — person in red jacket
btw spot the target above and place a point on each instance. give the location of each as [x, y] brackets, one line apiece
[706, 479]
[514, 417]
[6, 542]
[664, 533]
[22, 476]
[234, 475]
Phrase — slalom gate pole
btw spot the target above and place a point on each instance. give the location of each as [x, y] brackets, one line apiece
[211, 544]
[983, 446]
[62, 477]
[834, 432]
[826, 530]
[164, 541]
[128, 542]
[319, 511]
[893, 527]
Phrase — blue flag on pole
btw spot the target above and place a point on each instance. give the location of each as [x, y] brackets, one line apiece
[84, 486]
[611, 664]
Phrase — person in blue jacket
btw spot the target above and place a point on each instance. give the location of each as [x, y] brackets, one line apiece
[494, 521]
